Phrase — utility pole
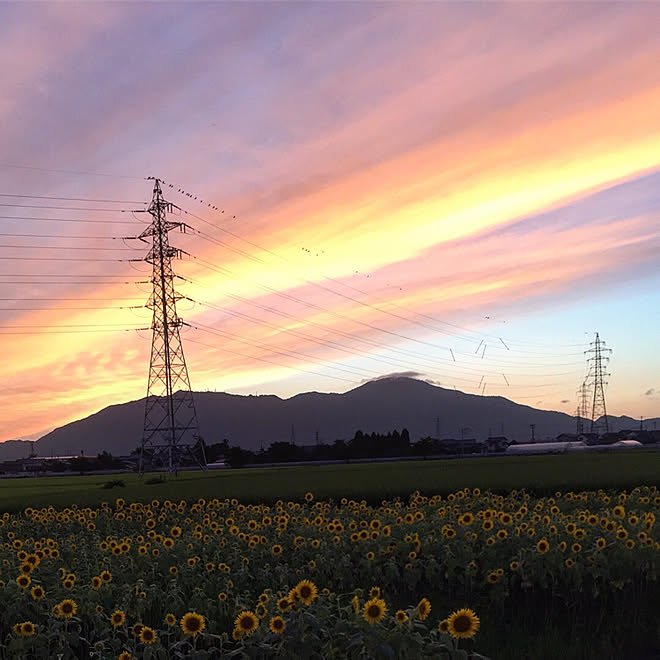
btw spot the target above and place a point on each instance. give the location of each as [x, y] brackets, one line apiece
[597, 362]
[170, 430]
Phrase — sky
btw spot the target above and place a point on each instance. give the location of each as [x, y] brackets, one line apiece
[462, 192]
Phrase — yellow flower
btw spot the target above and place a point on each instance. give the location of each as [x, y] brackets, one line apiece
[307, 591]
[170, 619]
[246, 622]
[423, 609]
[27, 628]
[117, 618]
[463, 624]
[67, 608]
[23, 581]
[277, 625]
[147, 635]
[374, 610]
[401, 616]
[542, 546]
[37, 592]
[192, 623]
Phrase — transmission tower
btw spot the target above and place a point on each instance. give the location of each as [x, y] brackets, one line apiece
[598, 374]
[582, 409]
[171, 431]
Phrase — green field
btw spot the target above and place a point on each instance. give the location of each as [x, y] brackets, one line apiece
[371, 481]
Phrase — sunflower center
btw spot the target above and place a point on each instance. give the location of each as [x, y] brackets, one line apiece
[462, 623]
[373, 611]
[193, 624]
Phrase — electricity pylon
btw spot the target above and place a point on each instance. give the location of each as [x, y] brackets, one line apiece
[582, 410]
[171, 431]
[597, 362]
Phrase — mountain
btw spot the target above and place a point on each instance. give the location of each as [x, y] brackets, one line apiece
[380, 405]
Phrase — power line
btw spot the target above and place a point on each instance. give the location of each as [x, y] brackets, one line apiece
[73, 199]
[252, 357]
[74, 172]
[76, 236]
[268, 251]
[346, 317]
[79, 220]
[66, 247]
[341, 347]
[65, 208]
[268, 347]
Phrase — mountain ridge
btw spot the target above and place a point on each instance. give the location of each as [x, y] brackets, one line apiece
[252, 421]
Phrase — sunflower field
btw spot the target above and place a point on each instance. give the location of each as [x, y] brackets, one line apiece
[462, 575]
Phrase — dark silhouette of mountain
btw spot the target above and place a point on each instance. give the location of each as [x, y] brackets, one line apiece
[254, 421]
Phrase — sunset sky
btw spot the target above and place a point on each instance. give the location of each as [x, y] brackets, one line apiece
[465, 192]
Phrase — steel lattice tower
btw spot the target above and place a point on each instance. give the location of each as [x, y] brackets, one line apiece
[583, 409]
[171, 431]
[597, 364]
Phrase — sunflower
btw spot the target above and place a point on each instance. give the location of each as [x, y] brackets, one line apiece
[542, 546]
[355, 603]
[117, 618]
[17, 628]
[493, 577]
[137, 629]
[463, 624]
[423, 609]
[374, 610]
[277, 625]
[23, 581]
[192, 623]
[374, 592]
[67, 608]
[106, 576]
[37, 592]
[277, 549]
[306, 591]
[170, 619]
[309, 497]
[568, 562]
[246, 622]
[147, 635]
[27, 628]
[401, 616]
[125, 655]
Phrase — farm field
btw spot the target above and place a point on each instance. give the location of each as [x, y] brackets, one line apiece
[371, 481]
[570, 575]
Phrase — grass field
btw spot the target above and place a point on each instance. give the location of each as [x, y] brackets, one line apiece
[370, 481]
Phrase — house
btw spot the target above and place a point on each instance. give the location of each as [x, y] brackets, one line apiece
[497, 444]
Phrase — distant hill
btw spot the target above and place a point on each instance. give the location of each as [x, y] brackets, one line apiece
[252, 421]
